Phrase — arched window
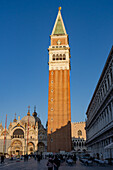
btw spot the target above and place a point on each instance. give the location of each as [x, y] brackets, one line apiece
[53, 56]
[64, 57]
[57, 57]
[18, 133]
[79, 133]
[74, 143]
[60, 56]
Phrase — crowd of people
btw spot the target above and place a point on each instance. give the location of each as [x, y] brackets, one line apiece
[54, 161]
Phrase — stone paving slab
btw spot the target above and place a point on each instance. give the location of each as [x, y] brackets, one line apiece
[34, 165]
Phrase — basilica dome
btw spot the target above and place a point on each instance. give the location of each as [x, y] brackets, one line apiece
[27, 118]
[34, 114]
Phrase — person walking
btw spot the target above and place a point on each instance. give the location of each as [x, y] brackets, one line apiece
[50, 163]
[2, 159]
[56, 163]
[38, 158]
[74, 158]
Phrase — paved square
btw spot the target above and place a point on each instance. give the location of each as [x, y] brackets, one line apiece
[34, 165]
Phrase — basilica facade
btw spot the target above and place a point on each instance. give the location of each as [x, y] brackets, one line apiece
[25, 136]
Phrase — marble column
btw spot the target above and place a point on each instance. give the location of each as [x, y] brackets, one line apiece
[109, 78]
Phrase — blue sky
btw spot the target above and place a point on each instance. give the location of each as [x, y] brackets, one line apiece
[25, 26]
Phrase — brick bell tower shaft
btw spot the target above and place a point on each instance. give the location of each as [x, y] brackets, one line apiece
[59, 103]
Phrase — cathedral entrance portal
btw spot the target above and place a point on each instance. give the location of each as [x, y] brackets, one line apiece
[16, 148]
[41, 147]
[31, 148]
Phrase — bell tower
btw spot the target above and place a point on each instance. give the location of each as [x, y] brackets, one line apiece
[59, 104]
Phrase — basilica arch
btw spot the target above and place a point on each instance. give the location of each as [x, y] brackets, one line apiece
[17, 130]
[41, 147]
[31, 147]
[16, 147]
[18, 133]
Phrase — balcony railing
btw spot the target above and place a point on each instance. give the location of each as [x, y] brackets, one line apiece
[17, 136]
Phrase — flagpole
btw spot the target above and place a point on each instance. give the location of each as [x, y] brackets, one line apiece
[5, 135]
[27, 134]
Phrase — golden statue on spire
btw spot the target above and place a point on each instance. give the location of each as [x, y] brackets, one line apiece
[60, 8]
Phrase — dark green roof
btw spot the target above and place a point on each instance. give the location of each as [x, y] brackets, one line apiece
[59, 27]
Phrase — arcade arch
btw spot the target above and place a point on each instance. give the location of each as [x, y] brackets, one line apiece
[41, 147]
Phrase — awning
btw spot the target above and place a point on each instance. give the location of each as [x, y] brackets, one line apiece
[110, 146]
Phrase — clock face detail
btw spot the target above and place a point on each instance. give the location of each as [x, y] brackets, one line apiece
[58, 42]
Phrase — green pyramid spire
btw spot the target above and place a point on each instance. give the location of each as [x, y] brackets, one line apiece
[59, 27]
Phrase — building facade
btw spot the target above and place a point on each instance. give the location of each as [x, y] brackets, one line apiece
[78, 137]
[59, 104]
[99, 124]
[25, 136]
